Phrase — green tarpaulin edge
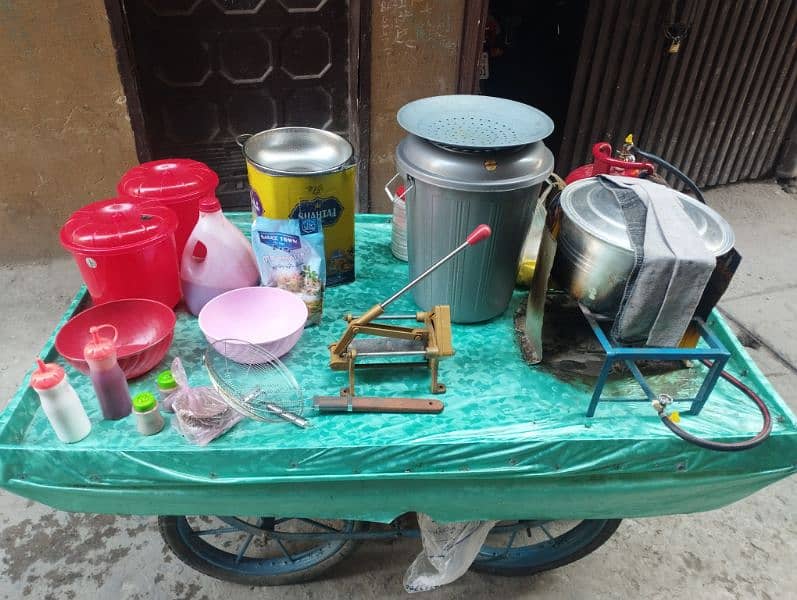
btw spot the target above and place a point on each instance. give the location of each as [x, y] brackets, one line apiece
[604, 481]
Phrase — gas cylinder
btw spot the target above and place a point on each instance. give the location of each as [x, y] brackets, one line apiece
[605, 164]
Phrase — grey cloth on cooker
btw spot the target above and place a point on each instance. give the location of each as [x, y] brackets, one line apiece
[671, 265]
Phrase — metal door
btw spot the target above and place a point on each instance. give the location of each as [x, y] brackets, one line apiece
[718, 105]
[204, 71]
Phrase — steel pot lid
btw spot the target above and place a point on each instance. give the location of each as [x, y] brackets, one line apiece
[169, 180]
[594, 209]
[497, 171]
[296, 151]
[470, 121]
[111, 226]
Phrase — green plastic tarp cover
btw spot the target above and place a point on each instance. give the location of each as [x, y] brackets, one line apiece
[512, 442]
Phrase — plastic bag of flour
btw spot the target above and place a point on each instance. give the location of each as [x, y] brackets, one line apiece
[290, 256]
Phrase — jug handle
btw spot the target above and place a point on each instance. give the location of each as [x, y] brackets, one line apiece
[200, 251]
[97, 328]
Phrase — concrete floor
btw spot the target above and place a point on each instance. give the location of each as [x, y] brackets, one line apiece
[747, 550]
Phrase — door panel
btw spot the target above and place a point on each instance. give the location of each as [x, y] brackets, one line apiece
[208, 70]
[719, 107]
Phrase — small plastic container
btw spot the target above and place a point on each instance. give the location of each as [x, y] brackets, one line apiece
[60, 402]
[110, 383]
[398, 240]
[217, 258]
[166, 387]
[149, 421]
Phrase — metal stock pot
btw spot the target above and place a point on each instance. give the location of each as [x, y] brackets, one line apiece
[594, 257]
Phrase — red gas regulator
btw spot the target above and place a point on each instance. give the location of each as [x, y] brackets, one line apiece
[605, 164]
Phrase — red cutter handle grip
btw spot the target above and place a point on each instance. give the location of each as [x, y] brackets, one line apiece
[482, 232]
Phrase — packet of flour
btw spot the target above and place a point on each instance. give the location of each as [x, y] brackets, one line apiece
[290, 256]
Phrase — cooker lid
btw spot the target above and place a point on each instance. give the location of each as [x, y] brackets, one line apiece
[111, 226]
[594, 209]
[172, 179]
[475, 122]
[297, 151]
[496, 171]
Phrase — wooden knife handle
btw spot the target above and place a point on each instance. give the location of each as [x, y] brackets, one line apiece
[377, 405]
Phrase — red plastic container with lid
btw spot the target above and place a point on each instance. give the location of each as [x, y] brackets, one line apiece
[124, 250]
[177, 183]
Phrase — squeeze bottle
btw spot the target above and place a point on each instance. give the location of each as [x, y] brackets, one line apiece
[217, 258]
[60, 402]
[107, 376]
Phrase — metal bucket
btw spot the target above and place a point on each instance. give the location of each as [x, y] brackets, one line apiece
[302, 172]
[450, 193]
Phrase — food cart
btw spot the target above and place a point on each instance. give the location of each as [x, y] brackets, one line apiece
[272, 503]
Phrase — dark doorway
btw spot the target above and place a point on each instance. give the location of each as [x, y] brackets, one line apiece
[197, 73]
[709, 86]
[531, 52]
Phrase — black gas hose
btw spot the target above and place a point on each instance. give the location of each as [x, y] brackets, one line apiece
[734, 446]
[672, 169]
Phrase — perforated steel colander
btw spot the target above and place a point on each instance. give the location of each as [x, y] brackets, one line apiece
[475, 122]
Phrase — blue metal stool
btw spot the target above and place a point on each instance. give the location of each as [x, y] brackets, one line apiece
[715, 352]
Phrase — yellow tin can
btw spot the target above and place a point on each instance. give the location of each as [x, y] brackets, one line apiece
[300, 173]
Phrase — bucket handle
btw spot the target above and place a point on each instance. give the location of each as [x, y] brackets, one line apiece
[393, 197]
[553, 183]
[241, 139]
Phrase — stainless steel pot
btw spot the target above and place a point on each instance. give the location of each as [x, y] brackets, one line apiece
[451, 192]
[594, 257]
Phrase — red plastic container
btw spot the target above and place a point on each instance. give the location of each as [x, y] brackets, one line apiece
[145, 330]
[125, 250]
[178, 183]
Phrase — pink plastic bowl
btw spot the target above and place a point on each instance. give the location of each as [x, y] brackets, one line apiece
[146, 329]
[267, 317]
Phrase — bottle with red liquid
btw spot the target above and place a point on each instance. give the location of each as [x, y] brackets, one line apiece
[110, 383]
[217, 258]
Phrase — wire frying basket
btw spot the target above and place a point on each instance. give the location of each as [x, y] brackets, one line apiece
[254, 382]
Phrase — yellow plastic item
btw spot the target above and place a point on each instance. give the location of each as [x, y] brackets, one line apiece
[526, 272]
[675, 416]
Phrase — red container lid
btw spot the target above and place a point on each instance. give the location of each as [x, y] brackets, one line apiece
[170, 180]
[111, 226]
[46, 375]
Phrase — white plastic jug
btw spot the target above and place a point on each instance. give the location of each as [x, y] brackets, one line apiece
[217, 258]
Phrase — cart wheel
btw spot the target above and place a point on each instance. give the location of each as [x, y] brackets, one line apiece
[245, 550]
[526, 547]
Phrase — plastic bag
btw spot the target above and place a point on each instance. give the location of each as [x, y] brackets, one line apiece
[290, 256]
[448, 551]
[201, 414]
